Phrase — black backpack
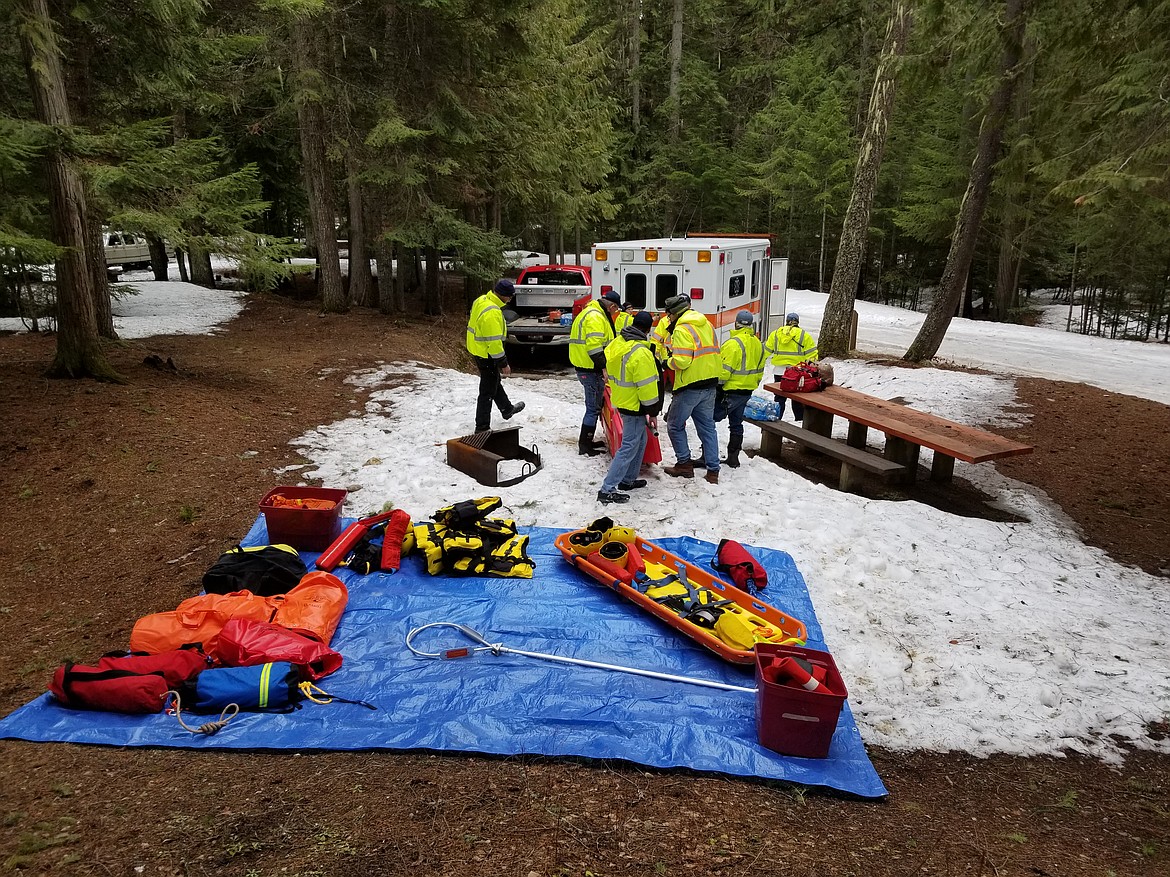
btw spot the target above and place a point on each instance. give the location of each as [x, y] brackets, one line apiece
[265, 571]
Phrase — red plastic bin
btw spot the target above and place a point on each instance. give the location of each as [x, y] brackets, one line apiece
[303, 529]
[793, 721]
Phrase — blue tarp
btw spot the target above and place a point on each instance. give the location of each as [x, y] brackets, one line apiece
[510, 705]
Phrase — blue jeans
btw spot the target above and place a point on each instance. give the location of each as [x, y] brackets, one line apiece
[698, 404]
[594, 385]
[735, 408]
[628, 460]
[797, 407]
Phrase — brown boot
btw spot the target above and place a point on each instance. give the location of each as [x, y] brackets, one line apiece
[681, 469]
[712, 477]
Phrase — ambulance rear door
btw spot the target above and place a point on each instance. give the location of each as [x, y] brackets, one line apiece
[648, 286]
[775, 307]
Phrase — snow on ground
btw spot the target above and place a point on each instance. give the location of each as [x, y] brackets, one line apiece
[952, 633]
[1131, 367]
[162, 308]
[168, 307]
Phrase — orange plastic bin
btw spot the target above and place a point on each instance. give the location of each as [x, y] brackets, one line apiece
[791, 720]
[303, 529]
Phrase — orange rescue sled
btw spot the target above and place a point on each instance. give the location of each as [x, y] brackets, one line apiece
[774, 626]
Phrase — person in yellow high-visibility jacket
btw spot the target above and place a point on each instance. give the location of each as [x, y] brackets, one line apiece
[486, 332]
[743, 369]
[635, 390]
[694, 357]
[623, 318]
[790, 345]
[592, 329]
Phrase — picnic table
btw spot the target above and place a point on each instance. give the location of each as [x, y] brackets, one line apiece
[907, 431]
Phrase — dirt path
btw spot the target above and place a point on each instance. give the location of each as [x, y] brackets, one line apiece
[116, 498]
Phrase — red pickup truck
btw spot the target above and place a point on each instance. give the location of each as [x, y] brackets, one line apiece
[547, 298]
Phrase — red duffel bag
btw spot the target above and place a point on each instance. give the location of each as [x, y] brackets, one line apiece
[746, 572]
[245, 643]
[132, 683]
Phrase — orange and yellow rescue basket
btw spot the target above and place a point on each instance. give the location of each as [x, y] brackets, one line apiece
[770, 624]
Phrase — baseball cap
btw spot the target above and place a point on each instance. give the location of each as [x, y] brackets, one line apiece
[793, 317]
[677, 304]
[643, 320]
[612, 297]
[744, 318]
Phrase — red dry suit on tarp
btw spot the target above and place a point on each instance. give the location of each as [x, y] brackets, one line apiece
[315, 605]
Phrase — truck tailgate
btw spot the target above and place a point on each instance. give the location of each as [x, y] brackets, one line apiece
[549, 297]
[535, 330]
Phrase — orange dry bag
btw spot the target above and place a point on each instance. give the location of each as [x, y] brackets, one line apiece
[315, 604]
[195, 620]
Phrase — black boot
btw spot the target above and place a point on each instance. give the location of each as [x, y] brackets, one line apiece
[585, 446]
[733, 447]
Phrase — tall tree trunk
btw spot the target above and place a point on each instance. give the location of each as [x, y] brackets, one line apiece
[676, 43]
[834, 339]
[95, 257]
[1005, 270]
[966, 232]
[432, 298]
[821, 263]
[384, 256]
[318, 185]
[201, 272]
[635, 61]
[361, 282]
[158, 256]
[863, 68]
[181, 260]
[79, 351]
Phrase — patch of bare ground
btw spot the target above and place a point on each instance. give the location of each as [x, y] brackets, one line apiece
[116, 498]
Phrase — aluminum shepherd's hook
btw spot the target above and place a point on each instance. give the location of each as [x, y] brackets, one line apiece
[501, 649]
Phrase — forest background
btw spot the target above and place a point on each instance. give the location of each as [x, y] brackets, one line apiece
[942, 155]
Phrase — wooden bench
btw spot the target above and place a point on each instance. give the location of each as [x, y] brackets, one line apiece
[854, 461]
[907, 430]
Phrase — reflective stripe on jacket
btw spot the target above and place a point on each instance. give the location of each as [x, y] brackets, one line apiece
[790, 345]
[486, 329]
[633, 375]
[660, 338]
[621, 321]
[591, 331]
[694, 355]
[743, 360]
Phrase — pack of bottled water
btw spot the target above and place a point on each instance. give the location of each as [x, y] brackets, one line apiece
[762, 409]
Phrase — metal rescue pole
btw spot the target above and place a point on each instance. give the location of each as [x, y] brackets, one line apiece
[501, 649]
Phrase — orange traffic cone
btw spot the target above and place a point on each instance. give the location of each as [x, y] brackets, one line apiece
[797, 673]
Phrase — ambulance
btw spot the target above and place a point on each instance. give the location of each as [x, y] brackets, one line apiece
[722, 274]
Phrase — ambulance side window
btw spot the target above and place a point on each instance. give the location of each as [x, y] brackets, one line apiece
[636, 290]
[665, 286]
[735, 286]
[755, 279]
